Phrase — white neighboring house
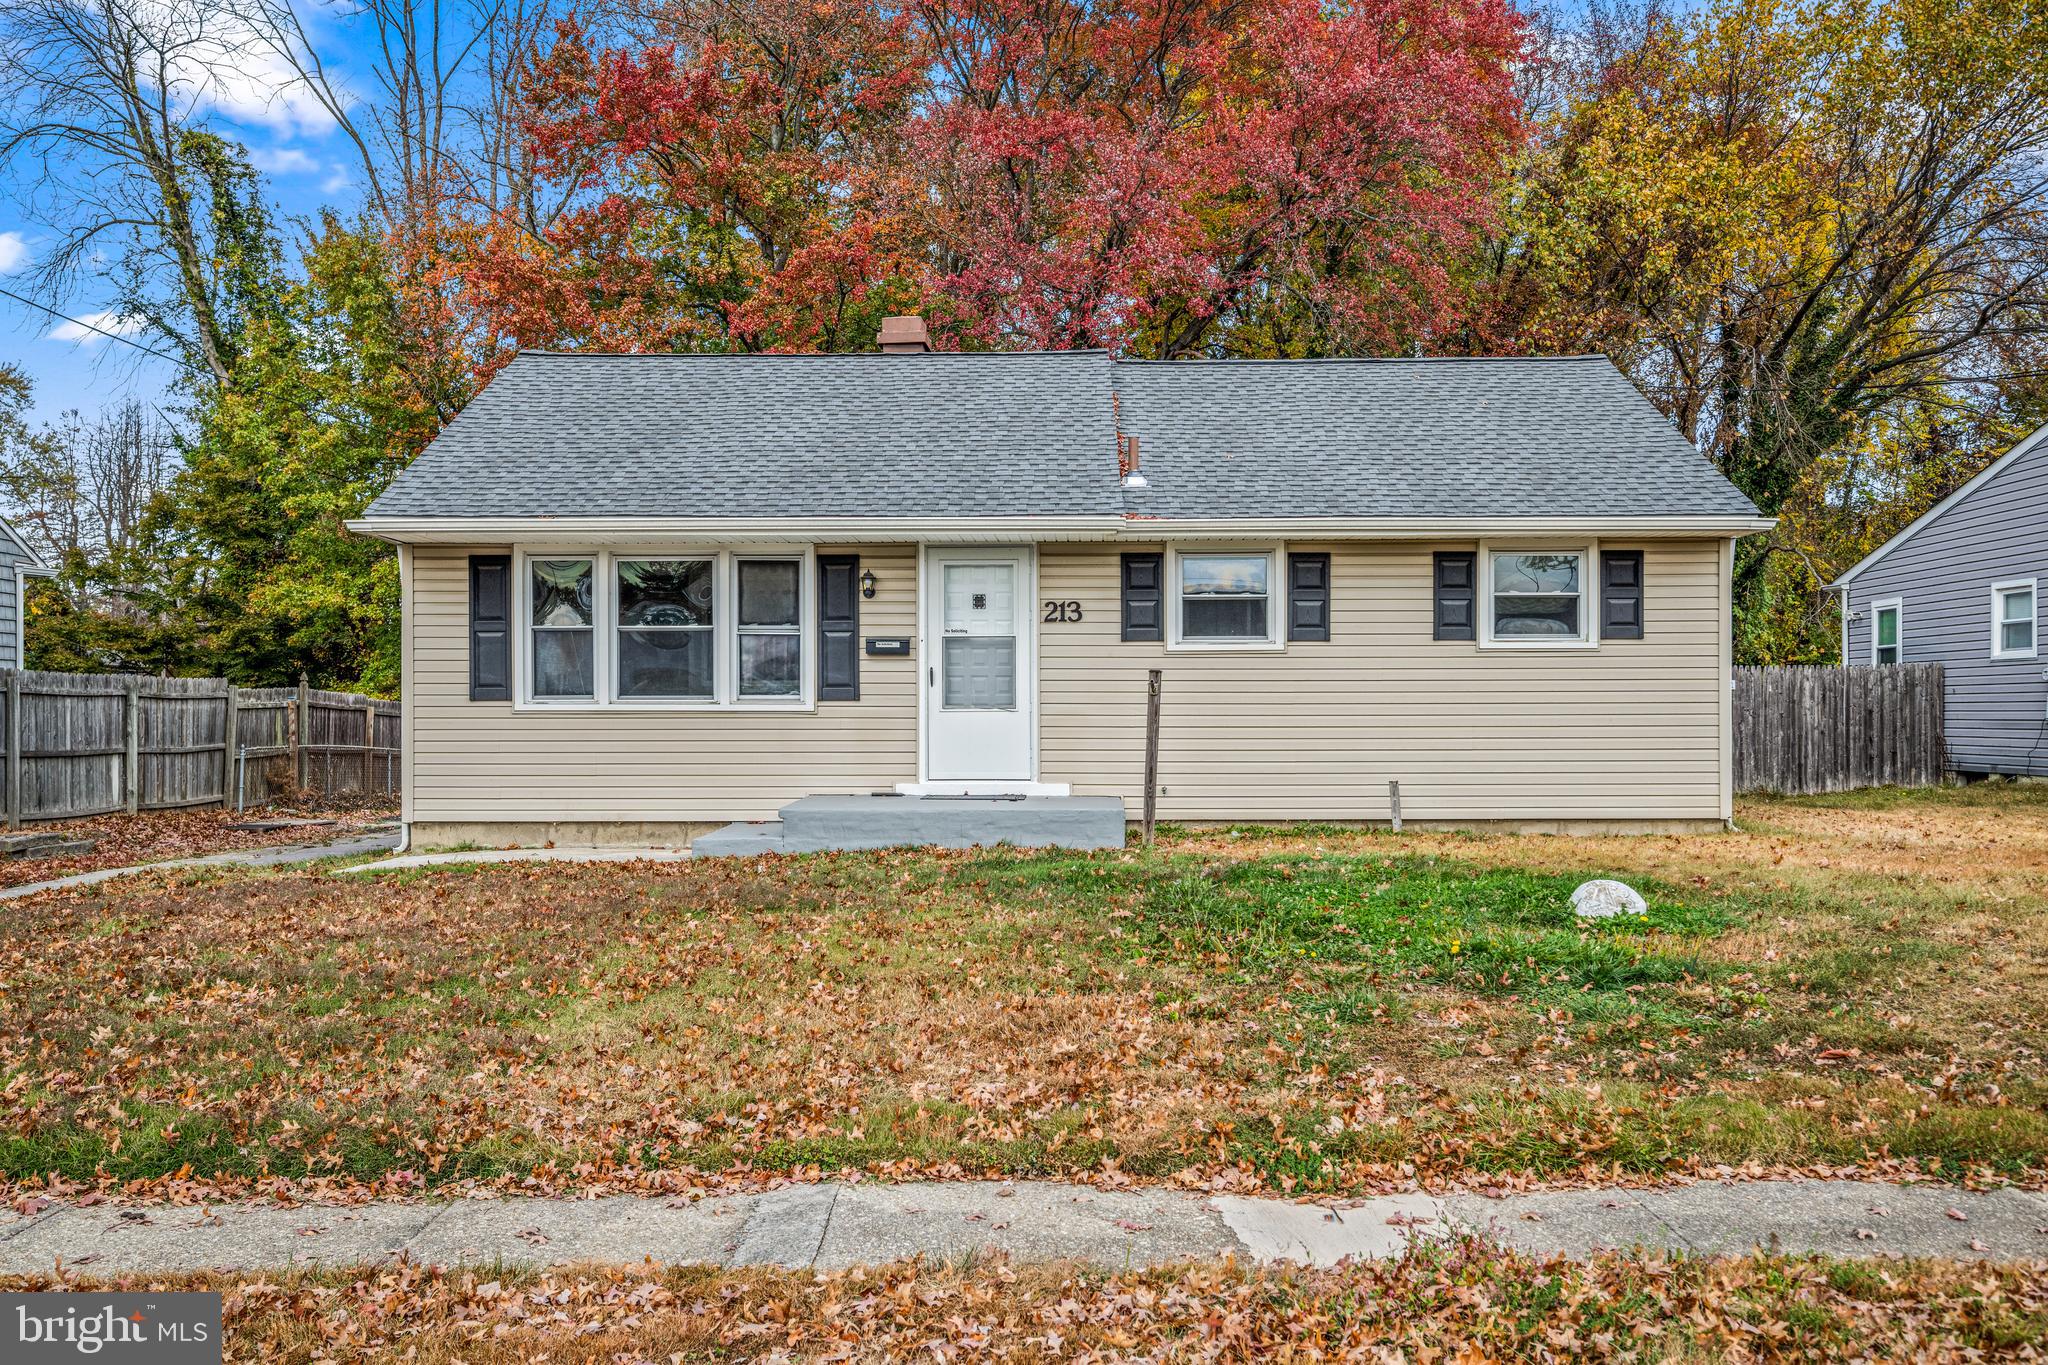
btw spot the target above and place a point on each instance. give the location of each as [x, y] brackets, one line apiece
[18, 563]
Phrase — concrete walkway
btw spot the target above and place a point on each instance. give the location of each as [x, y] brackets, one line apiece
[272, 855]
[522, 855]
[836, 1225]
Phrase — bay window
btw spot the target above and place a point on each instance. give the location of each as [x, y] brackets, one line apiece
[703, 628]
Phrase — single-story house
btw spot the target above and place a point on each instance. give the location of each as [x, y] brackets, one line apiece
[645, 595]
[1961, 586]
[19, 562]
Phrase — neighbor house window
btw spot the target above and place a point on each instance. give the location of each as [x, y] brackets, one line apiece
[1886, 631]
[666, 644]
[1536, 596]
[2015, 619]
[564, 633]
[771, 639]
[1224, 597]
[709, 628]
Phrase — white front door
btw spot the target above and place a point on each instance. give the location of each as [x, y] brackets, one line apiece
[980, 671]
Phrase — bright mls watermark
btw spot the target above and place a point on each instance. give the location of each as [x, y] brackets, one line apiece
[124, 1329]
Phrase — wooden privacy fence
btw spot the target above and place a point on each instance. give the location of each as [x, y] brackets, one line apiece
[79, 744]
[1806, 730]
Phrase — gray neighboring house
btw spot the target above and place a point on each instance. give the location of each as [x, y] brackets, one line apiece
[1961, 587]
[18, 564]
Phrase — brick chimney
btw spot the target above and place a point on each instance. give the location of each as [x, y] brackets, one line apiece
[903, 336]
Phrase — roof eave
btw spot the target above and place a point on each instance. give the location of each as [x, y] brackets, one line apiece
[1426, 528]
[828, 530]
[855, 530]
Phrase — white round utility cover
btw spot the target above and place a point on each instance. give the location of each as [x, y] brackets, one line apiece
[1603, 899]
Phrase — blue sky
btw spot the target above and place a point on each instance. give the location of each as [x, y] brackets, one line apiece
[304, 161]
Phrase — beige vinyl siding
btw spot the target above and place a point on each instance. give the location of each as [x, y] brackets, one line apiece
[487, 762]
[1632, 731]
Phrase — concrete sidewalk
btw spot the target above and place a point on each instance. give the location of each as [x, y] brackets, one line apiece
[273, 855]
[836, 1225]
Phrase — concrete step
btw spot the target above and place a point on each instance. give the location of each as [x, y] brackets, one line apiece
[746, 839]
[33, 845]
[820, 823]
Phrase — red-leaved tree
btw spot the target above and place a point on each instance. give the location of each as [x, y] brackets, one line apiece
[1166, 177]
[1181, 177]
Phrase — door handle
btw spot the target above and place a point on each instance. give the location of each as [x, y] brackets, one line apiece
[931, 677]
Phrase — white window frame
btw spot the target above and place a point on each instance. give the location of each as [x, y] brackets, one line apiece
[527, 628]
[1998, 620]
[806, 647]
[1588, 552]
[1277, 606]
[1878, 608]
[725, 628]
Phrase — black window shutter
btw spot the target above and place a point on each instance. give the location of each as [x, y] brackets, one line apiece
[838, 627]
[1144, 597]
[490, 627]
[1457, 579]
[1621, 594]
[1308, 597]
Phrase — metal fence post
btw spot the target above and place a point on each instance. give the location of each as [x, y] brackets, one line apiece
[14, 748]
[131, 715]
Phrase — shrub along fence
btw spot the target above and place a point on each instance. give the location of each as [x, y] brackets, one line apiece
[1805, 730]
[79, 744]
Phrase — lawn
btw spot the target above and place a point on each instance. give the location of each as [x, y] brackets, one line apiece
[1848, 982]
[1465, 1302]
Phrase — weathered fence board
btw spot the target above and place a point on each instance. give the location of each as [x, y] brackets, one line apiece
[79, 744]
[1805, 730]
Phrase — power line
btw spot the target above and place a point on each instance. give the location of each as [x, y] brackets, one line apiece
[111, 336]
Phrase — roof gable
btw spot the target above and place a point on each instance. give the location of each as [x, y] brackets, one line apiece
[2027, 446]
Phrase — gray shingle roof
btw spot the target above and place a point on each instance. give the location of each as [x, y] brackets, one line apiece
[1566, 436]
[1032, 434]
[772, 436]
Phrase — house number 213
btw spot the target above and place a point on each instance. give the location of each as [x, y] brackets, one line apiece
[1062, 611]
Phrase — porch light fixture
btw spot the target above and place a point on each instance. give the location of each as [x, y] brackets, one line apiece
[867, 583]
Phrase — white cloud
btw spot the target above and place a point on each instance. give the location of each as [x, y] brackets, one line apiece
[236, 66]
[86, 335]
[282, 161]
[337, 181]
[13, 252]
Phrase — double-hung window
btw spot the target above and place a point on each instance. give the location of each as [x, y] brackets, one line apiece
[2015, 619]
[1536, 597]
[771, 642]
[563, 593]
[1887, 631]
[705, 628]
[1225, 598]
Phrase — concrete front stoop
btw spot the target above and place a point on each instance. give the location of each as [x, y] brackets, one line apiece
[822, 824]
